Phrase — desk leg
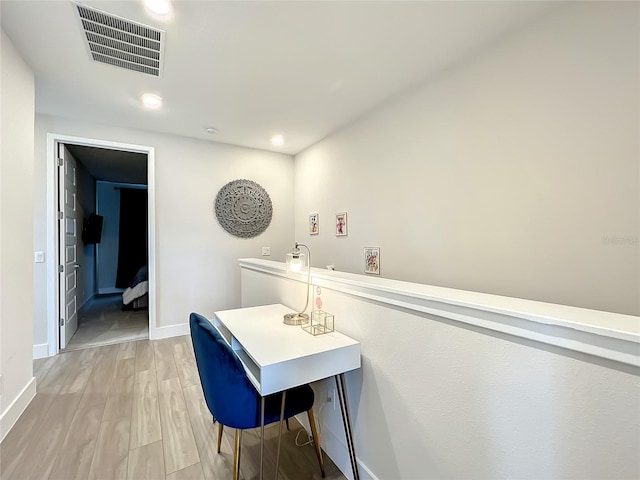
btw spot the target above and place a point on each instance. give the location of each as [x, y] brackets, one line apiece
[346, 421]
[284, 395]
[261, 437]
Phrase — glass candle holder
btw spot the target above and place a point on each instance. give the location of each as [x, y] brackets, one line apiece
[320, 322]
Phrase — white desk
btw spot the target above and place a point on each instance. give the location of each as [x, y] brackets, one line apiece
[277, 357]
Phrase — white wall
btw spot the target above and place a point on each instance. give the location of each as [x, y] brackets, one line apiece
[437, 398]
[108, 203]
[108, 206]
[16, 234]
[516, 173]
[86, 193]
[196, 260]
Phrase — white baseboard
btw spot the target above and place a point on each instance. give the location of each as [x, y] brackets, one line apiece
[169, 331]
[337, 450]
[40, 350]
[20, 403]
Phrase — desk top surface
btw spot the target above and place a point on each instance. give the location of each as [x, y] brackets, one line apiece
[264, 336]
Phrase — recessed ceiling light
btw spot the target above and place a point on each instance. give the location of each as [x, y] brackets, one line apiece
[277, 140]
[150, 100]
[159, 7]
[211, 130]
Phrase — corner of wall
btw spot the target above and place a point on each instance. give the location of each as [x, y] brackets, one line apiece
[11, 414]
[16, 234]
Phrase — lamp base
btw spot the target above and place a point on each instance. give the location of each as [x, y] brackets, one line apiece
[296, 319]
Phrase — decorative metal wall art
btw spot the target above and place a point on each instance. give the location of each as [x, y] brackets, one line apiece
[243, 208]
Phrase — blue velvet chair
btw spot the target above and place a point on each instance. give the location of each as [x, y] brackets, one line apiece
[230, 396]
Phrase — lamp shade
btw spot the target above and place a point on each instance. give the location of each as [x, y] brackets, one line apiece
[296, 262]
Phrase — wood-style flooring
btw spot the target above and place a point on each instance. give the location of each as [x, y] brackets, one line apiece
[102, 322]
[136, 411]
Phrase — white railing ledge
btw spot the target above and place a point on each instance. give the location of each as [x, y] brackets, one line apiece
[603, 334]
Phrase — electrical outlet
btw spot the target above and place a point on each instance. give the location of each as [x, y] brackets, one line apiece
[266, 251]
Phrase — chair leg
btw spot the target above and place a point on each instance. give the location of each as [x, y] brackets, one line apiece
[220, 427]
[316, 442]
[287, 422]
[236, 455]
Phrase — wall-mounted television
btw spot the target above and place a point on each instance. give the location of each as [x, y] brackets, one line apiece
[92, 229]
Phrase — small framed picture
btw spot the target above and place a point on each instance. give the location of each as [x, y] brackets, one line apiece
[314, 225]
[341, 224]
[372, 260]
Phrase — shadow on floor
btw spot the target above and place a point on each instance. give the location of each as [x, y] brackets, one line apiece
[101, 321]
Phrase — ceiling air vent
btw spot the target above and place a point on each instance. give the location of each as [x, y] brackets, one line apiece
[122, 43]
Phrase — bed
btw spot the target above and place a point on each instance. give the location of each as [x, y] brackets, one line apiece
[136, 296]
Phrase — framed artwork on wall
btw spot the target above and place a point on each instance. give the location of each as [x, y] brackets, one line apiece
[372, 260]
[341, 224]
[314, 224]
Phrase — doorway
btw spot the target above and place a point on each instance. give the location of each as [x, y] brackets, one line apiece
[72, 286]
[112, 293]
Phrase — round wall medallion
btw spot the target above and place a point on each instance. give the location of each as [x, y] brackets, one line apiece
[243, 208]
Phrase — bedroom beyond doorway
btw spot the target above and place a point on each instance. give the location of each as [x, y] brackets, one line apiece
[102, 321]
[102, 161]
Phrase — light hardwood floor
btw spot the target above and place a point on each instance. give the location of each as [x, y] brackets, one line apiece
[136, 411]
[102, 322]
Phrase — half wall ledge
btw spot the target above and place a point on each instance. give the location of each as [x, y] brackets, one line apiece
[606, 335]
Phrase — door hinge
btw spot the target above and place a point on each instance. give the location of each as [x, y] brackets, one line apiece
[60, 215]
[60, 162]
[61, 322]
[60, 268]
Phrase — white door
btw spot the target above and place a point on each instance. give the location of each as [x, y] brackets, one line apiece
[68, 228]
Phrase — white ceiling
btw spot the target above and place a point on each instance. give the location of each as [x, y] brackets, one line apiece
[255, 68]
[112, 165]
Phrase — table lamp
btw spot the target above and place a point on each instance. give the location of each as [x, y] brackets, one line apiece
[296, 262]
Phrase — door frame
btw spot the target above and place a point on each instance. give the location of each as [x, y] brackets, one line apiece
[53, 258]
